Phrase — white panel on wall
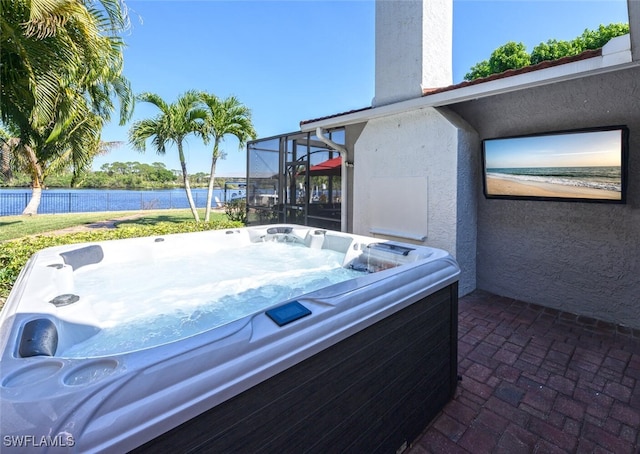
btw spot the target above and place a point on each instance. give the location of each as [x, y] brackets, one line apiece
[399, 207]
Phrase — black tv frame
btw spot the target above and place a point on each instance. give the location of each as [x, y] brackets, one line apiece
[624, 155]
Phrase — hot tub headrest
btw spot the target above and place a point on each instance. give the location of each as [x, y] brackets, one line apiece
[39, 338]
[83, 256]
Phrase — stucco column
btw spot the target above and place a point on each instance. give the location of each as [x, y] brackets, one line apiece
[413, 47]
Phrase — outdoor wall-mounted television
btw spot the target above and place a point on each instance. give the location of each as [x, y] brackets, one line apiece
[586, 165]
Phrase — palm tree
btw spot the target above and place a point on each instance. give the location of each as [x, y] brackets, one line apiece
[227, 116]
[39, 155]
[60, 67]
[171, 126]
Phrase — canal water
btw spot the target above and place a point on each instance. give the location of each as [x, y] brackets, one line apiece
[13, 201]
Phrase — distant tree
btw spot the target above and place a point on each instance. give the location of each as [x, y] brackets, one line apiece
[552, 50]
[590, 39]
[156, 172]
[199, 178]
[159, 172]
[99, 179]
[514, 55]
[509, 56]
[478, 71]
[119, 168]
[172, 125]
[595, 39]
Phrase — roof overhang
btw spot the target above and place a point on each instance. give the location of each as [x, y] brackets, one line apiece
[615, 56]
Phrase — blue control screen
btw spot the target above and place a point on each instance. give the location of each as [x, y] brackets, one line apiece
[288, 313]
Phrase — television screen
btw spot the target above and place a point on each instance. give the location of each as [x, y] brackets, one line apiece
[581, 165]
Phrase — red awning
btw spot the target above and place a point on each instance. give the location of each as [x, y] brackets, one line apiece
[329, 168]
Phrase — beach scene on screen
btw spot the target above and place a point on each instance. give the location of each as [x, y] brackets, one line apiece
[582, 165]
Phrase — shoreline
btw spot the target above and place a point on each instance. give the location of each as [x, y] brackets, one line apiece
[507, 187]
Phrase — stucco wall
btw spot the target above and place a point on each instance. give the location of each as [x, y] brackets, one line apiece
[413, 153]
[583, 258]
[467, 182]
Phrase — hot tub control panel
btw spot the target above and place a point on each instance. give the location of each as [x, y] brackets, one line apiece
[287, 313]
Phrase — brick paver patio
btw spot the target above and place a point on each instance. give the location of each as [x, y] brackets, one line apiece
[536, 380]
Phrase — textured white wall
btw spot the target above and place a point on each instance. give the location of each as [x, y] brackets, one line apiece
[416, 149]
[413, 48]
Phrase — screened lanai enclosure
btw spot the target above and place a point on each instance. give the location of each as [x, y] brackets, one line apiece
[295, 178]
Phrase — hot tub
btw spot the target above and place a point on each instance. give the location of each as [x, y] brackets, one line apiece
[119, 345]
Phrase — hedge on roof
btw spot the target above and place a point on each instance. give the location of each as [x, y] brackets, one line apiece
[514, 55]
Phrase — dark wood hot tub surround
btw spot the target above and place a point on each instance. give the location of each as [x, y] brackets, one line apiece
[374, 392]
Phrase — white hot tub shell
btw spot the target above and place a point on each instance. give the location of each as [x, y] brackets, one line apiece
[207, 391]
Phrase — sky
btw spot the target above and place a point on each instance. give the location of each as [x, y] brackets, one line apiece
[296, 60]
[580, 149]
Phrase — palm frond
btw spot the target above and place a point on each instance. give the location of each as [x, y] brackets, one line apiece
[154, 99]
[227, 117]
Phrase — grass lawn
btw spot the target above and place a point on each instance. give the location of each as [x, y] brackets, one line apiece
[12, 227]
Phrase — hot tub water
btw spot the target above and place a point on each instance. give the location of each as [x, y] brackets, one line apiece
[149, 303]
